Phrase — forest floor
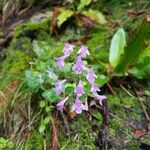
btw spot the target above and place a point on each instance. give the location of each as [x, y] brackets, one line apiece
[126, 122]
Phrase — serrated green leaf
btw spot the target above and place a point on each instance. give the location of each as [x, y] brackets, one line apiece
[50, 95]
[95, 15]
[63, 16]
[117, 47]
[33, 79]
[83, 3]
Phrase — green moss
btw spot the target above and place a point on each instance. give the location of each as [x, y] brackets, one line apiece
[13, 66]
[42, 26]
[34, 142]
[82, 135]
[15, 62]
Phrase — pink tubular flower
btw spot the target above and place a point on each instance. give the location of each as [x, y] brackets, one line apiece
[90, 76]
[60, 62]
[83, 51]
[78, 67]
[95, 88]
[78, 107]
[68, 49]
[100, 98]
[59, 86]
[79, 89]
[60, 105]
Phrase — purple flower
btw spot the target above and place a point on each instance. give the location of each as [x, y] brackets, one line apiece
[90, 76]
[68, 49]
[100, 98]
[60, 105]
[78, 67]
[78, 106]
[79, 89]
[59, 86]
[60, 62]
[95, 88]
[83, 51]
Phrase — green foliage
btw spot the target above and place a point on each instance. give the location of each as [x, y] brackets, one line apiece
[142, 69]
[69, 88]
[42, 25]
[33, 80]
[35, 141]
[117, 47]
[63, 16]
[102, 79]
[6, 144]
[50, 95]
[134, 49]
[83, 136]
[83, 3]
[15, 62]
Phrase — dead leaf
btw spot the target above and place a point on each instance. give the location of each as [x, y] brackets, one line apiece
[54, 141]
[83, 20]
[139, 133]
[71, 114]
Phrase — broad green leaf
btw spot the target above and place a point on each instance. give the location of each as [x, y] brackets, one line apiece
[145, 53]
[50, 95]
[142, 69]
[95, 15]
[135, 49]
[63, 16]
[83, 3]
[117, 47]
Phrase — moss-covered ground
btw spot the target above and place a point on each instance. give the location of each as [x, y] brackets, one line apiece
[20, 114]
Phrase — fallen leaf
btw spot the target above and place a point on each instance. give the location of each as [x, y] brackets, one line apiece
[139, 133]
[83, 20]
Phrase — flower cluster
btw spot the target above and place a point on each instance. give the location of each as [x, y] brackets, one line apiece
[78, 67]
[68, 49]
